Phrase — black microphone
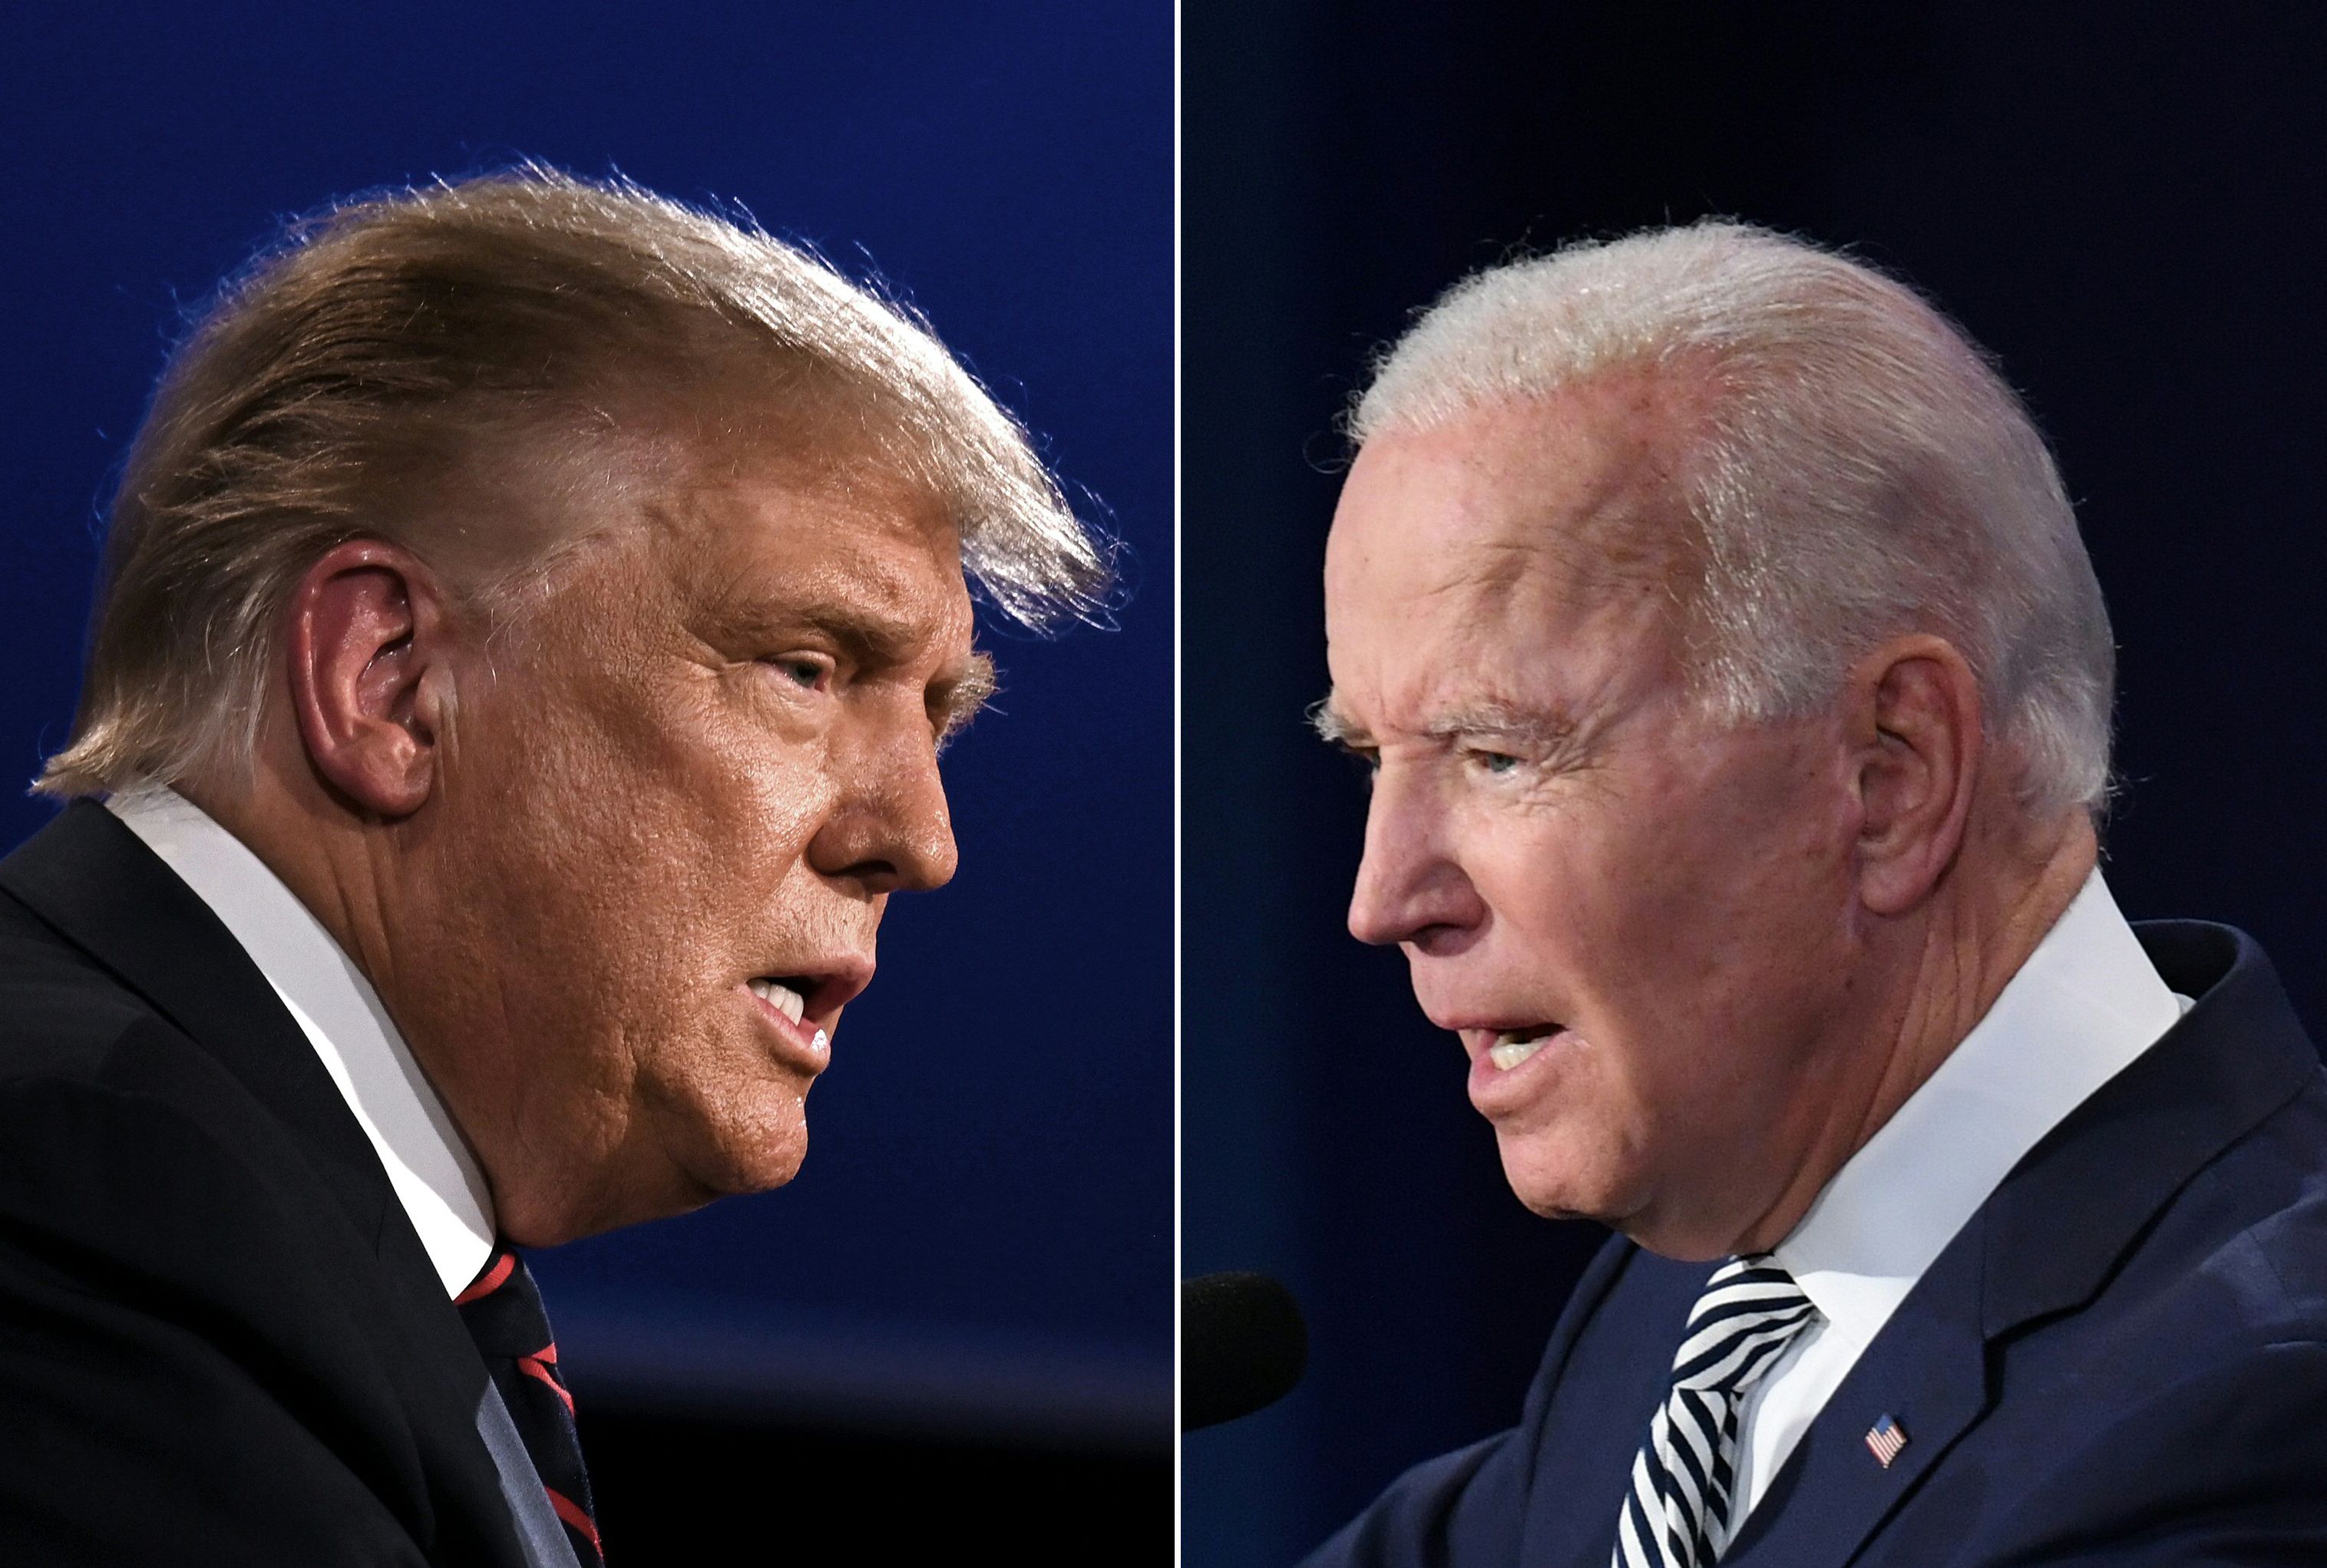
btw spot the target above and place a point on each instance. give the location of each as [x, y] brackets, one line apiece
[1242, 1346]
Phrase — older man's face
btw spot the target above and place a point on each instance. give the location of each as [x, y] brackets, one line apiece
[1638, 920]
[668, 826]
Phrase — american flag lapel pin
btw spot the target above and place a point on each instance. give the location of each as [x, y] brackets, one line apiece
[1885, 1439]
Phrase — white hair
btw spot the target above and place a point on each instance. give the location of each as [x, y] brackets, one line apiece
[1858, 469]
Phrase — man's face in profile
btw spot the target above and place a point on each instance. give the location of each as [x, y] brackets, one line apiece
[671, 819]
[1634, 916]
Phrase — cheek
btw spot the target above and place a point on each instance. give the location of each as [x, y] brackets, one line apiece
[1686, 915]
[759, 780]
[762, 813]
[647, 845]
[711, 792]
[1759, 967]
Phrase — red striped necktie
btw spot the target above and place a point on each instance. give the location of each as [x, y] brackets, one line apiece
[504, 1311]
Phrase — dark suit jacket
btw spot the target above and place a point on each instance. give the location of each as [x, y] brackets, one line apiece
[220, 1336]
[2121, 1359]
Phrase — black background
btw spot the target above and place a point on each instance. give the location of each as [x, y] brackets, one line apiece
[2121, 202]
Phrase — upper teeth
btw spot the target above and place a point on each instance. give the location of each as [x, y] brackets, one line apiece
[1512, 1050]
[783, 998]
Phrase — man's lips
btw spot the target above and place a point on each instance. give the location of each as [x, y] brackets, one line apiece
[803, 1007]
[1506, 1044]
[1511, 1062]
[824, 984]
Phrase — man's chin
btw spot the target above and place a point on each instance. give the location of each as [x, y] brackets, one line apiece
[712, 1168]
[765, 1174]
[1553, 1186]
[753, 1158]
[723, 1135]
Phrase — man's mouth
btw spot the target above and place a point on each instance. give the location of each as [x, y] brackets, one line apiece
[787, 994]
[811, 999]
[1514, 1046]
[802, 1008]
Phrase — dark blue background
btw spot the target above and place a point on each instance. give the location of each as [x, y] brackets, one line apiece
[2122, 201]
[981, 1239]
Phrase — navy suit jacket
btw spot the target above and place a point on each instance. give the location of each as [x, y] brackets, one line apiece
[2121, 1359]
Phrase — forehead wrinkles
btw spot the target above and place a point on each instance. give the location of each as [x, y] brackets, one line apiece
[1592, 502]
[1575, 489]
[1531, 535]
[794, 534]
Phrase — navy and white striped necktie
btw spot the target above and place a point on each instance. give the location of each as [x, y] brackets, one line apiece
[1676, 1513]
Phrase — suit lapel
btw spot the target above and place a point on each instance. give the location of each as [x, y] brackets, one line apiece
[1610, 1363]
[1927, 1372]
[2237, 1056]
[2112, 1164]
[91, 880]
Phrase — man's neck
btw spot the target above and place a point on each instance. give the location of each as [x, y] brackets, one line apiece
[1946, 969]
[317, 852]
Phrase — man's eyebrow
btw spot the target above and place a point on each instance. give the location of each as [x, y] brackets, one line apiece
[1332, 727]
[868, 636]
[953, 703]
[866, 633]
[871, 639]
[1516, 721]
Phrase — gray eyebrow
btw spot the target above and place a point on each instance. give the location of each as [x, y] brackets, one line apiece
[1518, 722]
[1331, 727]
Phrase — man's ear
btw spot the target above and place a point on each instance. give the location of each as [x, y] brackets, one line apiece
[1915, 719]
[367, 647]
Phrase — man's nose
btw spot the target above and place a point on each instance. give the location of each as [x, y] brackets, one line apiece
[1409, 886]
[890, 828]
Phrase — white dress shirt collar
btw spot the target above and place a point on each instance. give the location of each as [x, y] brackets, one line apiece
[2085, 1003]
[433, 1175]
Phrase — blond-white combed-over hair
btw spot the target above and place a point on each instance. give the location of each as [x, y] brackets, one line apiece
[1854, 467]
[384, 347]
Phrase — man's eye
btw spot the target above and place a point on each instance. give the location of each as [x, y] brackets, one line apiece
[801, 671]
[1495, 762]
